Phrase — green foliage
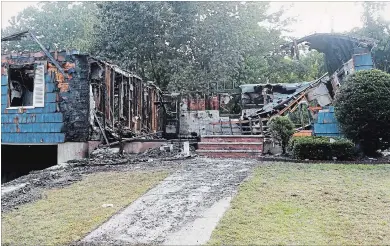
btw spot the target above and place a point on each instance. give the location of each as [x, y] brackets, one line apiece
[279, 68]
[60, 25]
[300, 115]
[182, 46]
[314, 64]
[198, 46]
[320, 148]
[281, 128]
[294, 140]
[145, 37]
[362, 107]
[376, 27]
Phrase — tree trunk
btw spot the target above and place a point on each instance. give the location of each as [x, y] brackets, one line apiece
[283, 148]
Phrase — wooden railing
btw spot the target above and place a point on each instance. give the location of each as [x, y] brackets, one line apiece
[249, 129]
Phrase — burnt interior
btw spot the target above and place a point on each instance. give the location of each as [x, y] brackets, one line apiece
[21, 85]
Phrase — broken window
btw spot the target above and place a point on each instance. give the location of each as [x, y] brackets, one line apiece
[26, 85]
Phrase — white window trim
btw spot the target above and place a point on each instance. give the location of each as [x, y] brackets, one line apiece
[21, 107]
[26, 107]
[39, 86]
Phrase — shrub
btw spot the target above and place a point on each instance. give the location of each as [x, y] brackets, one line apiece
[281, 128]
[320, 148]
[296, 139]
[362, 107]
[343, 149]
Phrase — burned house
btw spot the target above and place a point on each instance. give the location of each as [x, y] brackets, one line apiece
[191, 114]
[64, 103]
[267, 96]
[343, 56]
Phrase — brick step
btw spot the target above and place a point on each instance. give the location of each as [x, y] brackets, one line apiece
[230, 145]
[232, 138]
[230, 153]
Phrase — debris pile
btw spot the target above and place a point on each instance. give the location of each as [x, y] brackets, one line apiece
[165, 151]
[106, 156]
[111, 156]
[28, 188]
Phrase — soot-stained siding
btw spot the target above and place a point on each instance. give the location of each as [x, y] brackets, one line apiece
[74, 99]
[74, 103]
[34, 124]
[64, 116]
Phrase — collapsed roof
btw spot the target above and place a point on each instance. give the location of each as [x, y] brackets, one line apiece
[24, 34]
[252, 95]
[282, 99]
[338, 48]
[285, 97]
[279, 88]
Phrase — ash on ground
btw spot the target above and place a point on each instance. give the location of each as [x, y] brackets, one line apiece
[111, 156]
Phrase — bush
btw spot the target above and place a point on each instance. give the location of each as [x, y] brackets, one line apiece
[362, 107]
[297, 139]
[281, 128]
[320, 148]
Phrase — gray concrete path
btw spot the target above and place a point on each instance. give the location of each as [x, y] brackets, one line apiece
[182, 210]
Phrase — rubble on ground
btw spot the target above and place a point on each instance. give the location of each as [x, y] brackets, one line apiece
[111, 156]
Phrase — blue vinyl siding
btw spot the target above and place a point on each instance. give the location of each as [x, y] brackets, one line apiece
[50, 87]
[363, 62]
[49, 108]
[33, 137]
[4, 90]
[4, 100]
[31, 118]
[32, 125]
[327, 124]
[4, 80]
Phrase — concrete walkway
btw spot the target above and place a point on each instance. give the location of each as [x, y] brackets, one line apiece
[182, 210]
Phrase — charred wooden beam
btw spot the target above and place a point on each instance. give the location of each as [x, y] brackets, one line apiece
[132, 139]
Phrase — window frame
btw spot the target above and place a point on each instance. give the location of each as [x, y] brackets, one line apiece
[9, 88]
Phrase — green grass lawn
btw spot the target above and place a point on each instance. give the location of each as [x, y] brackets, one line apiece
[67, 214]
[310, 204]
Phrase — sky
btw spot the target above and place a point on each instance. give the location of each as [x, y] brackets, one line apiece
[312, 17]
[12, 8]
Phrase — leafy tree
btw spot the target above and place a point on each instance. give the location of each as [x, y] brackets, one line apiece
[363, 109]
[286, 70]
[300, 115]
[196, 46]
[314, 65]
[141, 36]
[182, 46]
[282, 129]
[58, 25]
[236, 39]
[376, 27]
